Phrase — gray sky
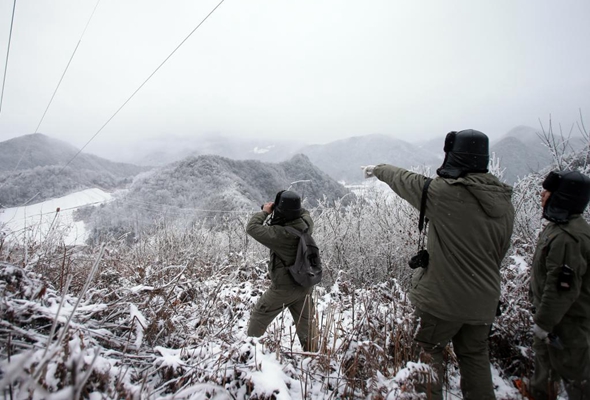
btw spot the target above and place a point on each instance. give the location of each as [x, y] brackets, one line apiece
[310, 70]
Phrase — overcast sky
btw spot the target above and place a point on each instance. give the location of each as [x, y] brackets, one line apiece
[308, 70]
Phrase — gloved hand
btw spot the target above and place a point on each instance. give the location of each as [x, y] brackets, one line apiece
[540, 332]
[368, 171]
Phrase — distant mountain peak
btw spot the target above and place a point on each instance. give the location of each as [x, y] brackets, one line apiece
[526, 134]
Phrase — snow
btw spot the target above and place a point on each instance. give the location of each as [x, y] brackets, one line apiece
[270, 379]
[520, 263]
[41, 220]
[141, 288]
[262, 150]
[502, 388]
[250, 367]
[169, 357]
[140, 324]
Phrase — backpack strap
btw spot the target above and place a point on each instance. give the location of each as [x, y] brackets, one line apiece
[295, 231]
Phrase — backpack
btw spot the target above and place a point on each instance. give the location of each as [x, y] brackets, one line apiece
[307, 270]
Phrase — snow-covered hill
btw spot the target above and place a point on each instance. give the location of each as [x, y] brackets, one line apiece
[37, 222]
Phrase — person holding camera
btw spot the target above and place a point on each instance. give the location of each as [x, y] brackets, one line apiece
[457, 293]
[284, 292]
[560, 289]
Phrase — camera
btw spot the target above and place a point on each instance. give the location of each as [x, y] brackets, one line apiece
[272, 208]
[420, 260]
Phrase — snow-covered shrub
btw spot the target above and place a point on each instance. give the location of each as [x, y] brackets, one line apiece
[369, 239]
[162, 341]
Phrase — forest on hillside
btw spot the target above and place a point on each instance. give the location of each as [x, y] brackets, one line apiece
[19, 188]
[197, 189]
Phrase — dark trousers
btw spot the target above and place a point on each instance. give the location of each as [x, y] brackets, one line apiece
[298, 300]
[470, 343]
[571, 363]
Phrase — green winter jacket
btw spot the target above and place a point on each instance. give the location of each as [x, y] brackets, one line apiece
[282, 245]
[469, 233]
[561, 244]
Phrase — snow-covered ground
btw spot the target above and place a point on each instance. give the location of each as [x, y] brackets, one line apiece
[37, 221]
[166, 346]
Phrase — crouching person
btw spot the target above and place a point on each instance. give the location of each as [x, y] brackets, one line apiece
[284, 292]
[560, 286]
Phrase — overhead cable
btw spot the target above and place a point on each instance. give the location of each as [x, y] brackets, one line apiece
[66, 70]
[7, 54]
[132, 95]
[55, 91]
[140, 86]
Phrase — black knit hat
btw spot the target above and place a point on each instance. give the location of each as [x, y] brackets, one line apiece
[288, 205]
[466, 151]
[570, 194]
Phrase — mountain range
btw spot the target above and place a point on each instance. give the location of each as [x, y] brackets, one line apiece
[186, 190]
[521, 151]
[36, 167]
[39, 167]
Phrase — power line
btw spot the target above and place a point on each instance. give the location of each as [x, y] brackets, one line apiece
[55, 91]
[133, 94]
[66, 70]
[144, 82]
[7, 54]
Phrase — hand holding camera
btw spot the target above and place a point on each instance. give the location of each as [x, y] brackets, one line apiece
[268, 207]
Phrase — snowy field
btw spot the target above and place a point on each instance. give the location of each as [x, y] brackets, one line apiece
[37, 221]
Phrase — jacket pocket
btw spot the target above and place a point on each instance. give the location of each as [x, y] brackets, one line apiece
[417, 276]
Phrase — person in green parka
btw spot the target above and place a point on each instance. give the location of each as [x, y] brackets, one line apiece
[560, 289]
[470, 224]
[284, 292]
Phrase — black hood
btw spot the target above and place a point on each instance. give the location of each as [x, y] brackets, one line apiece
[465, 151]
[570, 194]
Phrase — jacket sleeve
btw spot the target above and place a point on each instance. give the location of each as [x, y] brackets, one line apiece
[554, 302]
[408, 185]
[263, 234]
[307, 218]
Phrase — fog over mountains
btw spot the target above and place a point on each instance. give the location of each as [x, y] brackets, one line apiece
[159, 152]
[39, 167]
[38, 150]
[520, 151]
[341, 159]
[36, 167]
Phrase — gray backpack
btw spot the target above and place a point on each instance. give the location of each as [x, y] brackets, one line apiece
[307, 270]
